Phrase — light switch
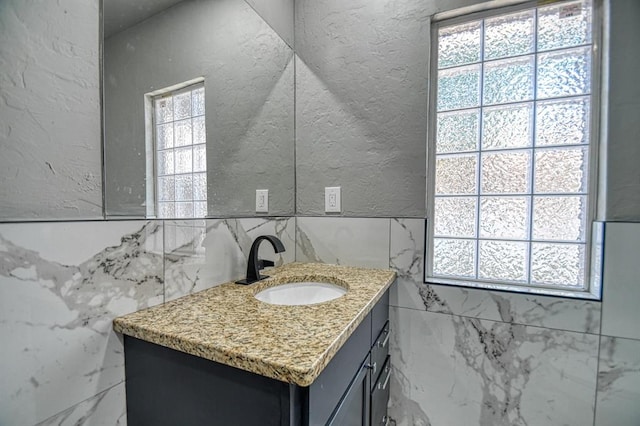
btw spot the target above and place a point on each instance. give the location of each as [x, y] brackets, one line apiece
[262, 201]
[332, 202]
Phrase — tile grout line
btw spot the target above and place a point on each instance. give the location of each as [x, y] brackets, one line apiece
[82, 402]
[496, 321]
[595, 394]
[633, 339]
[389, 244]
[164, 256]
[600, 336]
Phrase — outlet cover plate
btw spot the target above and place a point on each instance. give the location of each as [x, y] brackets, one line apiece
[262, 201]
[332, 201]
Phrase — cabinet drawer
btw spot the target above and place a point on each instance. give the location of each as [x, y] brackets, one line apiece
[379, 352]
[353, 409]
[380, 396]
[327, 390]
[379, 316]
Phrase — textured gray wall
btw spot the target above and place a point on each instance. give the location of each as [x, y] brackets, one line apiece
[248, 71]
[361, 104]
[278, 14]
[361, 107]
[361, 79]
[623, 150]
[50, 166]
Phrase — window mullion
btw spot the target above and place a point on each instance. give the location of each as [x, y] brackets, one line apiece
[479, 162]
[532, 170]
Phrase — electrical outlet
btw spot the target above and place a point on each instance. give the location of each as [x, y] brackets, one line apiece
[262, 201]
[332, 202]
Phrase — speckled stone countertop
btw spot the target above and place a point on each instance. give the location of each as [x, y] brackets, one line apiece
[293, 344]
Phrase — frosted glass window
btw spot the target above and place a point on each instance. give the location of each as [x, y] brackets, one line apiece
[163, 110]
[182, 106]
[504, 217]
[503, 261]
[508, 126]
[506, 172]
[454, 257]
[564, 25]
[181, 153]
[459, 88]
[561, 170]
[508, 80]
[455, 217]
[164, 136]
[559, 218]
[456, 174]
[511, 144]
[460, 45]
[509, 35]
[564, 73]
[563, 122]
[560, 264]
[458, 131]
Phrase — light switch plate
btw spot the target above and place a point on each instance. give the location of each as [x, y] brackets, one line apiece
[332, 202]
[262, 201]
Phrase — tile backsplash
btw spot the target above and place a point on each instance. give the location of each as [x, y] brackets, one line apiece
[479, 357]
[202, 253]
[62, 283]
[460, 356]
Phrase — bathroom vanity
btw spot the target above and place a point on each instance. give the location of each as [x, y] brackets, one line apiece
[220, 356]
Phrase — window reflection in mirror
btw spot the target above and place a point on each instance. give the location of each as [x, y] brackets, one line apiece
[237, 51]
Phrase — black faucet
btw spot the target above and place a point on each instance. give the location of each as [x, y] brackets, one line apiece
[254, 264]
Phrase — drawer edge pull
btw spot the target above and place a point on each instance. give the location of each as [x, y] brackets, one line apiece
[385, 341]
[383, 386]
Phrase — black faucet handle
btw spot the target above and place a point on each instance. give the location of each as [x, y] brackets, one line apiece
[263, 263]
[254, 264]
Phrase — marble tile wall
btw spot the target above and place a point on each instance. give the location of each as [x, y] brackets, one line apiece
[450, 369]
[620, 317]
[61, 284]
[460, 356]
[618, 382]
[203, 253]
[477, 357]
[348, 241]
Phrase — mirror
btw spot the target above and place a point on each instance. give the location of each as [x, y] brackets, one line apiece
[239, 51]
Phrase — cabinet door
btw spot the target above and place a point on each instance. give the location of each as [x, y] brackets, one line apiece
[380, 396]
[353, 409]
[326, 392]
[379, 352]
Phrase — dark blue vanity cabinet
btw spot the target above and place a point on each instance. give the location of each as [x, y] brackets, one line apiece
[167, 387]
[365, 401]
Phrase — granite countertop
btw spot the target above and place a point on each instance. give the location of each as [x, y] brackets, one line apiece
[293, 344]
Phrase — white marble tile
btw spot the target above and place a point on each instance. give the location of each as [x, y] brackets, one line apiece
[61, 284]
[108, 408]
[204, 253]
[343, 241]
[542, 311]
[621, 281]
[451, 370]
[407, 248]
[407, 258]
[618, 382]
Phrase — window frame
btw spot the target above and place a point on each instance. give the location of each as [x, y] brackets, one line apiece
[151, 143]
[594, 230]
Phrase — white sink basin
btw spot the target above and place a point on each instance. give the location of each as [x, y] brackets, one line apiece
[300, 293]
